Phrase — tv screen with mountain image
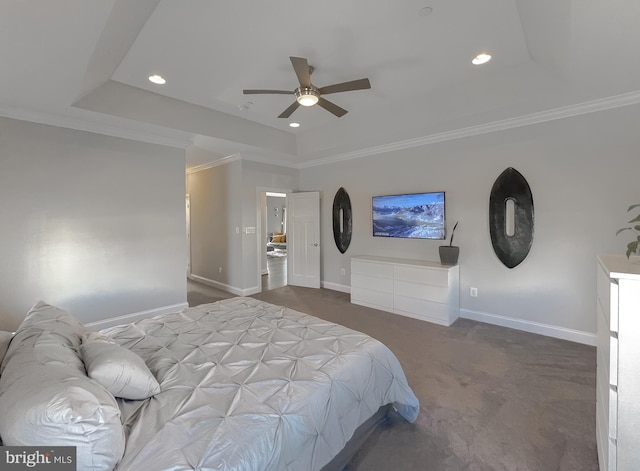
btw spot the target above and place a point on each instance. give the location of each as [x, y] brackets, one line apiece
[412, 216]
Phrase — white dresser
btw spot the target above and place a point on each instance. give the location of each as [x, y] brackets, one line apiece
[618, 364]
[424, 290]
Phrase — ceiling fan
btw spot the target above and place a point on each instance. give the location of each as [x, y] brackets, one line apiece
[308, 95]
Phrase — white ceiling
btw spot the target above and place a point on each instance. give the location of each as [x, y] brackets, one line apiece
[85, 65]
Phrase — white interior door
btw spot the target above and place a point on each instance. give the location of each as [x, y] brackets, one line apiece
[303, 239]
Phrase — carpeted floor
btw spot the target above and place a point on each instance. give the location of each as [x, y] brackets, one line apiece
[491, 398]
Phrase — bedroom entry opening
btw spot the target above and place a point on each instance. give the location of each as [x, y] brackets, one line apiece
[274, 235]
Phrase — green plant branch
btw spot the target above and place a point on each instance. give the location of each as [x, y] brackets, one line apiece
[452, 232]
[632, 247]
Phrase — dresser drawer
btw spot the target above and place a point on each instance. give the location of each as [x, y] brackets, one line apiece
[613, 456]
[603, 290]
[613, 413]
[422, 275]
[422, 309]
[372, 298]
[382, 270]
[613, 359]
[438, 294]
[603, 345]
[602, 423]
[374, 283]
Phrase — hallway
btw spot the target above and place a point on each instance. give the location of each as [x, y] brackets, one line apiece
[199, 293]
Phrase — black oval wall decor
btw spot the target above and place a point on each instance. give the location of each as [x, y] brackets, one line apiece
[511, 217]
[342, 220]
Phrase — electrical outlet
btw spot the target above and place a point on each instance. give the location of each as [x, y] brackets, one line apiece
[219, 269]
[343, 272]
[473, 292]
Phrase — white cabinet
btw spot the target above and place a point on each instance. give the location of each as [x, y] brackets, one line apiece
[424, 290]
[618, 364]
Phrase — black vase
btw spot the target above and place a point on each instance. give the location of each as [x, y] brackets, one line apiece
[449, 254]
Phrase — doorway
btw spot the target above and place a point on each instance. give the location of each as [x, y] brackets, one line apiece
[273, 239]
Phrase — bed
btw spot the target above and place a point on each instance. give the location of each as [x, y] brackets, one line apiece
[238, 384]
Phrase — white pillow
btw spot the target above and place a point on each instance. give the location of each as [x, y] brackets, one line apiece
[123, 373]
[5, 338]
[47, 398]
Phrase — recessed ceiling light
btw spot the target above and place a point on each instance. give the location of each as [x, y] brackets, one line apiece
[157, 79]
[480, 59]
[426, 11]
[294, 125]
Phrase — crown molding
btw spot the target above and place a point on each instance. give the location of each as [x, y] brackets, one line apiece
[270, 160]
[171, 138]
[243, 157]
[215, 163]
[593, 106]
[128, 130]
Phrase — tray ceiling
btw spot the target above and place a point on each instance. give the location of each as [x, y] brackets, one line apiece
[87, 66]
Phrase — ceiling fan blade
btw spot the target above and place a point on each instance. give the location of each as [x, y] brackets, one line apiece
[360, 84]
[332, 107]
[286, 113]
[301, 67]
[267, 92]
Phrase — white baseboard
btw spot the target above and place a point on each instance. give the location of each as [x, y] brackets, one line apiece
[572, 335]
[250, 291]
[256, 289]
[578, 336]
[224, 287]
[128, 318]
[336, 287]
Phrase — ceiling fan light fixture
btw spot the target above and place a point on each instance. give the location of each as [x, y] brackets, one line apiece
[307, 96]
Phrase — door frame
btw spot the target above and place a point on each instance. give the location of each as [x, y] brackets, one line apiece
[260, 227]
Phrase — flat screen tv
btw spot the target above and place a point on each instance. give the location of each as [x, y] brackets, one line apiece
[412, 216]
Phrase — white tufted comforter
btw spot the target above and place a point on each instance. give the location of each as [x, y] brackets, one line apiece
[248, 385]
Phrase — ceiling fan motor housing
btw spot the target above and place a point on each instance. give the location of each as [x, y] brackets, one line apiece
[307, 96]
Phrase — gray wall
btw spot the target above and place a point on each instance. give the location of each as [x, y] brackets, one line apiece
[216, 213]
[275, 205]
[583, 172]
[91, 223]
